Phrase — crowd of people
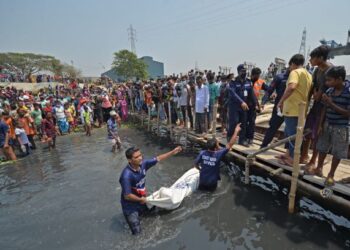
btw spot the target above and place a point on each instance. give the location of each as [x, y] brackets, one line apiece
[28, 118]
[190, 100]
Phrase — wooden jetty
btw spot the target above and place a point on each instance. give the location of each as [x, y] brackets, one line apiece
[336, 197]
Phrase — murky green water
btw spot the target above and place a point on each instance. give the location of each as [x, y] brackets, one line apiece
[69, 199]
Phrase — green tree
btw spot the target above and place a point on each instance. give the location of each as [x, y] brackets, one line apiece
[127, 65]
[70, 71]
[28, 63]
[57, 68]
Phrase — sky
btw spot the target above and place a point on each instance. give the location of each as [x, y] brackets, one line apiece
[181, 33]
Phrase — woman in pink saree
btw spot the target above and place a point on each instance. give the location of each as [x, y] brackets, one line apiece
[124, 108]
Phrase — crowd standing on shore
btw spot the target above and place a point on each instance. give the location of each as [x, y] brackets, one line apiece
[28, 118]
[196, 101]
[189, 100]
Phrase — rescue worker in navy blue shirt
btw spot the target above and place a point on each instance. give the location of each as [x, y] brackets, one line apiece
[133, 183]
[208, 161]
[241, 98]
[258, 85]
[279, 85]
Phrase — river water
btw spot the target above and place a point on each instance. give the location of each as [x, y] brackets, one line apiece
[69, 199]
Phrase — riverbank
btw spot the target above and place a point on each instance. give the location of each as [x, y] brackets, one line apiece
[26, 86]
[69, 199]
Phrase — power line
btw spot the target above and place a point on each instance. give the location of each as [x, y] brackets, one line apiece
[184, 10]
[201, 17]
[240, 14]
[254, 12]
[243, 15]
[220, 17]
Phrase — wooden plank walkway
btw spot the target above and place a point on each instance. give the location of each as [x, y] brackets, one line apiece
[269, 158]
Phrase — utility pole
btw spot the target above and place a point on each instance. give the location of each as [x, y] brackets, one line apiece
[308, 53]
[225, 70]
[132, 38]
[302, 49]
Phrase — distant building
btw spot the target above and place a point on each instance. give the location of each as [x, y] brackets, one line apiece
[112, 74]
[154, 69]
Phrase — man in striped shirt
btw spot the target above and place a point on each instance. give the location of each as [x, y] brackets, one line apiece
[335, 131]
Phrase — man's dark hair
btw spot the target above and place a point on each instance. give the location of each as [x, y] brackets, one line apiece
[256, 71]
[336, 72]
[297, 59]
[13, 106]
[130, 152]
[198, 78]
[321, 51]
[211, 144]
[210, 77]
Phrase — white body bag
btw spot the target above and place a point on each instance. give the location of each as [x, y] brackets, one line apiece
[171, 198]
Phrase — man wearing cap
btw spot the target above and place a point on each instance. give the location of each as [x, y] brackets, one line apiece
[112, 129]
[240, 99]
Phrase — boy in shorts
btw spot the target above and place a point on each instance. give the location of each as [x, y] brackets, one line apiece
[112, 128]
[335, 131]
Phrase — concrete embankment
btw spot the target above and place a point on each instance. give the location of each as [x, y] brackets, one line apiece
[26, 86]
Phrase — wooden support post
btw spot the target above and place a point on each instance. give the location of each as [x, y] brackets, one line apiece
[213, 124]
[296, 165]
[170, 121]
[158, 117]
[248, 163]
[142, 117]
[194, 117]
[206, 122]
[186, 125]
[149, 118]
[163, 106]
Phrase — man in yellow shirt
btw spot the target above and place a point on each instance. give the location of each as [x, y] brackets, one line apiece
[298, 90]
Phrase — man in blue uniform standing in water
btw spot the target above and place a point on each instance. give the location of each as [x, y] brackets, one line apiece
[133, 181]
[208, 161]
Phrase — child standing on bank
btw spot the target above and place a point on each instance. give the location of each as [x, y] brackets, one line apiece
[334, 134]
[87, 120]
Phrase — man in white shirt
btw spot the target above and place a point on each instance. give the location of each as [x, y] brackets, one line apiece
[202, 104]
[185, 102]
